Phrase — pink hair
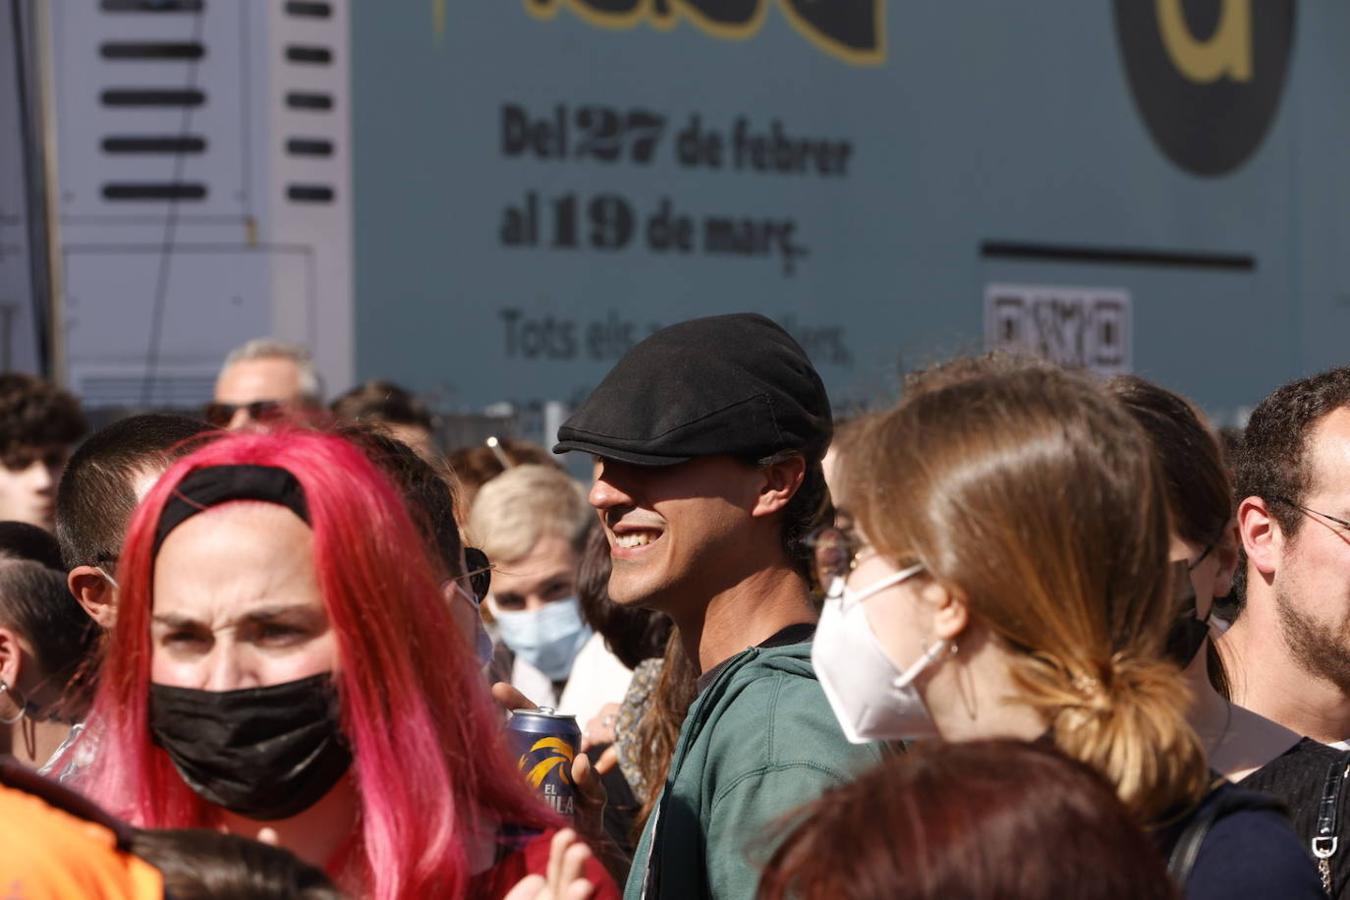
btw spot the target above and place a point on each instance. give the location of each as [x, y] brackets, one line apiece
[429, 757]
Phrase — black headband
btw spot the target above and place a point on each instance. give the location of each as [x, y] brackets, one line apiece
[214, 485]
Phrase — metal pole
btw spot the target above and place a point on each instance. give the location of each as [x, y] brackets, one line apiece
[33, 78]
[46, 115]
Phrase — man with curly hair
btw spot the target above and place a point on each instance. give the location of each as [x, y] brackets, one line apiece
[39, 425]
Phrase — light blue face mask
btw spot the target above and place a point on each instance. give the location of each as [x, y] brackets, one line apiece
[548, 638]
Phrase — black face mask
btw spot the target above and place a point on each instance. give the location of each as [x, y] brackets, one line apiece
[264, 753]
[1185, 638]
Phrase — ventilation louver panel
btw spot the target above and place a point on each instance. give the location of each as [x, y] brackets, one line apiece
[156, 96]
[307, 53]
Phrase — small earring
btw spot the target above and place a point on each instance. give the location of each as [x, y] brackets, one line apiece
[954, 648]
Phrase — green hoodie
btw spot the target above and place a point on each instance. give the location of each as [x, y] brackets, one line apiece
[758, 741]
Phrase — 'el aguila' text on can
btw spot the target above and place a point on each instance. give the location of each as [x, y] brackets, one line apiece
[545, 743]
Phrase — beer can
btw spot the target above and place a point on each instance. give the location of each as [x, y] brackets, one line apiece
[545, 742]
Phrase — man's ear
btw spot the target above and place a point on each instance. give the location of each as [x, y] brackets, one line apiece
[1260, 533]
[91, 588]
[781, 481]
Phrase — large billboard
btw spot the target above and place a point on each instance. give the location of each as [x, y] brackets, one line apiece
[539, 183]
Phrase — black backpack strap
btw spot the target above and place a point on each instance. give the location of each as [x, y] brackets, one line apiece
[1326, 839]
[1218, 805]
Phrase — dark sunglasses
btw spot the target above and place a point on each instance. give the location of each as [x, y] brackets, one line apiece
[221, 414]
[479, 572]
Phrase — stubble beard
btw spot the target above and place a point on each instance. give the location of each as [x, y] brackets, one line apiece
[1320, 649]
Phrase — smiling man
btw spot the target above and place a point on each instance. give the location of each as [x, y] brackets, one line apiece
[708, 438]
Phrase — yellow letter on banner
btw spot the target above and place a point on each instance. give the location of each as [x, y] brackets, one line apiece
[1227, 52]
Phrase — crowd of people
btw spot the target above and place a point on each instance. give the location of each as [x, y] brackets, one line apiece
[1023, 633]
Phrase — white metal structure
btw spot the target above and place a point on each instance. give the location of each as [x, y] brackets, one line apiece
[201, 189]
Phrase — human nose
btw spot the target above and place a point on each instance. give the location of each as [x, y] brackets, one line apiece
[240, 418]
[43, 476]
[224, 671]
[605, 493]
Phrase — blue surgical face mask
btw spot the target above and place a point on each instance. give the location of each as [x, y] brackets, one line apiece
[548, 638]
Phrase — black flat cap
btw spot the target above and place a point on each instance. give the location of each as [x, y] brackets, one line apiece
[737, 385]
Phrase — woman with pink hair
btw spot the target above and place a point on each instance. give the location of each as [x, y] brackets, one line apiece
[284, 667]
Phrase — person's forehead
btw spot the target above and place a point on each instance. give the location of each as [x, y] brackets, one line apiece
[551, 556]
[1329, 459]
[264, 378]
[271, 537]
[197, 576]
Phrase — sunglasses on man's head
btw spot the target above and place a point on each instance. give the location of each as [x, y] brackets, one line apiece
[222, 414]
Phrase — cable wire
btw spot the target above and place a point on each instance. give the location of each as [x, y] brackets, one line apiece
[170, 228]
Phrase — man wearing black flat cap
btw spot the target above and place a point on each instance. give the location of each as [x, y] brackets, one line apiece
[708, 438]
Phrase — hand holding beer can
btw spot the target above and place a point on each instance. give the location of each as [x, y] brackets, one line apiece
[545, 742]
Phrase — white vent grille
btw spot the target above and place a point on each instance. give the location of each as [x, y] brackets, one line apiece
[309, 37]
[203, 187]
[159, 109]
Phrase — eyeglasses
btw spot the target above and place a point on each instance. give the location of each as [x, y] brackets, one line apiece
[222, 414]
[479, 572]
[1341, 523]
[839, 590]
[835, 548]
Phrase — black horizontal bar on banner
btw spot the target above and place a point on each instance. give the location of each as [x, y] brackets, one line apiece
[151, 6]
[1114, 256]
[154, 191]
[309, 100]
[152, 50]
[154, 144]
[309, 193]
[309, 10]
[311, 55]
[152, 97]
[309, 147]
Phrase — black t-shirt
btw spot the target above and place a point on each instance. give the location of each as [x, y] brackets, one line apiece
[1298, 778]
[792, 634]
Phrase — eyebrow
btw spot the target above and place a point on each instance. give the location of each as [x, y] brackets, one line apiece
[172, 620]
[265, 613]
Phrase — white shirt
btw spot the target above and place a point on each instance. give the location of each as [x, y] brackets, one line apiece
[597, 678]
[533, 683]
